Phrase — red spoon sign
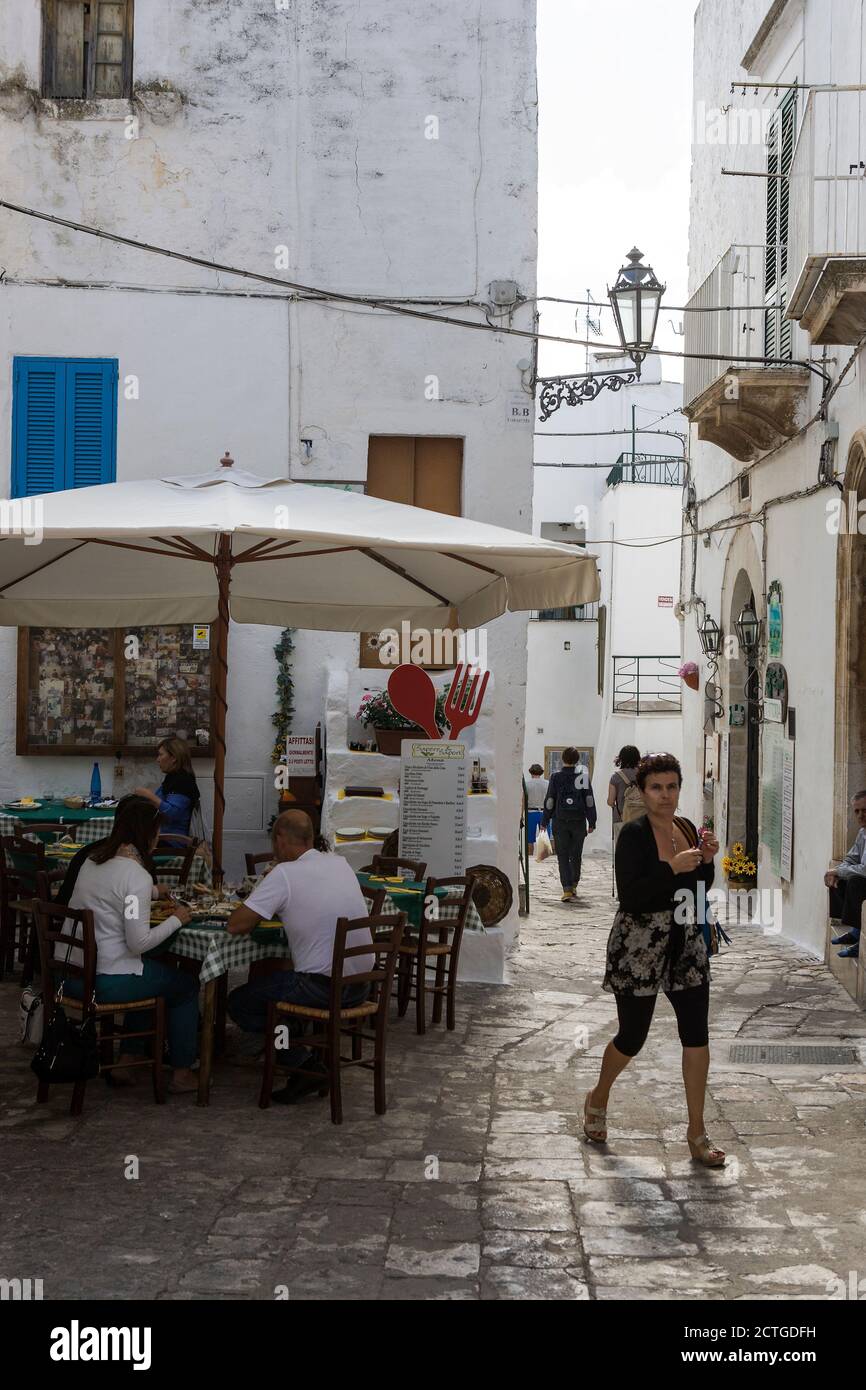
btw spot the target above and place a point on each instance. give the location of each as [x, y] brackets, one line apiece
[413, 694]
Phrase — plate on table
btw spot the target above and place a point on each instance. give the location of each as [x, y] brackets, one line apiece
[23, 805]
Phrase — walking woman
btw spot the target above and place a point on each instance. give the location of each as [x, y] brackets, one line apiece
[652, 949]
[626, 762]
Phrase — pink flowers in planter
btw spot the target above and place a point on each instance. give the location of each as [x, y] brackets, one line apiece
[690, 674]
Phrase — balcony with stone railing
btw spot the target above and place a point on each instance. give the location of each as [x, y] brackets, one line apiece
[746, 408]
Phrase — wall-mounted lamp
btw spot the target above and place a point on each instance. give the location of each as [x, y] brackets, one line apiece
[710, 637]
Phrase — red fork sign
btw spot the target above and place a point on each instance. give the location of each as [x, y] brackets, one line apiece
[462, 707]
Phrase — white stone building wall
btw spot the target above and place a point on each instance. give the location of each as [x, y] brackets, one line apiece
[258, 129]
[814, 41]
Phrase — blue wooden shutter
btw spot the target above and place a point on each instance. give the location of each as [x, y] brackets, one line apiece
[37, 425]
[91, 411]
[64, 423]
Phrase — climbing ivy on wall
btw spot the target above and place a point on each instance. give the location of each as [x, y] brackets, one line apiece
[285, 712]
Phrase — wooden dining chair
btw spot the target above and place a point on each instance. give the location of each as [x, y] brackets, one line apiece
[10, 895]
[25, 859]
[390, 868]
[179, 844]
[436, 948]
[375, 897]
[252, 862]
[337, 1021]
[80, 938]
[42, 827]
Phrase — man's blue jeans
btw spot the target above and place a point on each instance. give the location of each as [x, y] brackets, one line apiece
[248, 1005]
[178, 989]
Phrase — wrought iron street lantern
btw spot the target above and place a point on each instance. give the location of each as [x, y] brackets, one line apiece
[710, 637]
[748, 627]
[636, 299]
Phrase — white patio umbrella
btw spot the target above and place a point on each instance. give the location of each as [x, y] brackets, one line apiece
[209, 546]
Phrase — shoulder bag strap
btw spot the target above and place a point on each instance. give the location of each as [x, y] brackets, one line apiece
[686, 828]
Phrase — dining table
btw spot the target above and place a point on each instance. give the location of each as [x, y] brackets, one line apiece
[206, 940]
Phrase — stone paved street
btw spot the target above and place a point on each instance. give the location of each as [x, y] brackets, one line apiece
[234, 1202]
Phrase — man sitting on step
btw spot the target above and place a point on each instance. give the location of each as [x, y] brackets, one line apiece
[847, 884]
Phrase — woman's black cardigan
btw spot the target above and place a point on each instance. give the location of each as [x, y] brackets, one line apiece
[645, 883]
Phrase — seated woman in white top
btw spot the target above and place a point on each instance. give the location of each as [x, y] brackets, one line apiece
[117, 884]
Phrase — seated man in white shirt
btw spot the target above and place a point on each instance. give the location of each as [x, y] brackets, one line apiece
[847, 884]
[308, 891]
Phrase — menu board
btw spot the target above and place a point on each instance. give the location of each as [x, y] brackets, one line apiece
[777, 799]
[434, 781]
[85, 690]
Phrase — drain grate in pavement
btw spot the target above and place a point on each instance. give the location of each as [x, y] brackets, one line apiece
[794, 1054]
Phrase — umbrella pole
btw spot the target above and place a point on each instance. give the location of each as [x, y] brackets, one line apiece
[223, 571]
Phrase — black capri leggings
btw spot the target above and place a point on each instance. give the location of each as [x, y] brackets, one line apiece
[635, 1011]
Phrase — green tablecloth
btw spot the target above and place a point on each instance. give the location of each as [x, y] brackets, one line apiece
[408, 898]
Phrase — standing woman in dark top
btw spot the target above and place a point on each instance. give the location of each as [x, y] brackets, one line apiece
[652, 948]
[177, 795]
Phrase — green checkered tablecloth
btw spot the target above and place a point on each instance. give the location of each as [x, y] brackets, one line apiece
[220, 952]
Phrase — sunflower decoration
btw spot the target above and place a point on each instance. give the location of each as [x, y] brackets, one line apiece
[737, 864]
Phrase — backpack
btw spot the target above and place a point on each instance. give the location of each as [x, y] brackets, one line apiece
[633, 804]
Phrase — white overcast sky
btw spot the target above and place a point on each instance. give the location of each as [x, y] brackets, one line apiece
[614, 93]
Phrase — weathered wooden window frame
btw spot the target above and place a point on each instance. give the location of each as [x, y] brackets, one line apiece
[49, 54]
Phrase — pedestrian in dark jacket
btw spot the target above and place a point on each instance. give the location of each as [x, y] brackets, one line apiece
[570, 804]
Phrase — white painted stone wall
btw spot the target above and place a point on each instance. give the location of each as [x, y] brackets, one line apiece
[256, 130]
[817, 41]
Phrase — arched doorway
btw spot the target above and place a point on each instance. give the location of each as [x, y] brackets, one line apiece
[744, 738]
[850, 646]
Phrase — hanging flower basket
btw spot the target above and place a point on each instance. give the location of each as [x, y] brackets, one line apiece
[690, 675]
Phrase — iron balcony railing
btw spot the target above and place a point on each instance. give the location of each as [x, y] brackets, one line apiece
[828, 189]
[738, 311]
[646, 685]
[647, 468]
[578, 613]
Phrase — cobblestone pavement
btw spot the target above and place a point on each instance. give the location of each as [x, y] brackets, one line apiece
[234, 1202]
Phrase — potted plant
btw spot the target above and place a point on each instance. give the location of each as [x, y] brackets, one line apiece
[739, 869]
[390, 727]
[689, 673]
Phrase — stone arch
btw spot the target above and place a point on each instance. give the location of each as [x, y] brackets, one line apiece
[850, 731]
[742, 582]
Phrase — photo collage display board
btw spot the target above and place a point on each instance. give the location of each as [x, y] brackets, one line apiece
[93, 689]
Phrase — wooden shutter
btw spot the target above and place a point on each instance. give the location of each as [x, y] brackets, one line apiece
[37, 426]
[391, 467]
[438, 475]
[780, 152]
[87, 48]
[91, 412]
[64, 424]
[602, 638]
[64, 49]
[421, 471]
[110, 47]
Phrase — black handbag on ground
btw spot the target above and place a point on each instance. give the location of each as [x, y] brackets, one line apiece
[68, 1051]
